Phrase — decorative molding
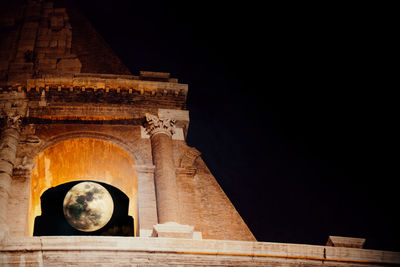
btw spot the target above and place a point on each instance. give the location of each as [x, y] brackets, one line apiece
[155, 125]
[107, 82]
[186, 171]
[137, 155]
[144, 168]
[13, 107]
[189, 157]
[186, 164]
[178, 134]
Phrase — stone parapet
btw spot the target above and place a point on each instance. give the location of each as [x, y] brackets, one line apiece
[102, 251]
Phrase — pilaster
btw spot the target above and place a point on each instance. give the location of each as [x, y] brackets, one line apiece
[8, 151]
[147, 206]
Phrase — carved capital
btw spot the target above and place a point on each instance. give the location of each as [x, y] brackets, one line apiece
[155, 125]
[13, 121]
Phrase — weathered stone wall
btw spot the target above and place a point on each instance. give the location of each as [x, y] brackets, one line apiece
[202, 202]
[220, 218]
[38, 44]
[38, 39]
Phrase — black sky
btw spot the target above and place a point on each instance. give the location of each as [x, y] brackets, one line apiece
[289, 106]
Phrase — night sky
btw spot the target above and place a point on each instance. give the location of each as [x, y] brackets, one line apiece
[289, 105]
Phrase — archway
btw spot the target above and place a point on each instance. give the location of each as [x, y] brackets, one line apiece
[115, 204]
[82, 159]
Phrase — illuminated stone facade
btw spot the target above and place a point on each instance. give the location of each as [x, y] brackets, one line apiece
[66, 135]
[67, 118]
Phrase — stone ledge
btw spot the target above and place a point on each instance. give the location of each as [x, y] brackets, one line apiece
[250, 252]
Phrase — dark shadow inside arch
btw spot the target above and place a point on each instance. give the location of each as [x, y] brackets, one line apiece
[53, 222]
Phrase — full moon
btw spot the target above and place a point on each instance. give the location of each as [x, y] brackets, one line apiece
[88, 206]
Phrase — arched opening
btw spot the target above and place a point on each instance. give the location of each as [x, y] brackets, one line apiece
[78, 208]
[82, 159]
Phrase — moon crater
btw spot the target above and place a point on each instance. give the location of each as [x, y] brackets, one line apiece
[88, 206]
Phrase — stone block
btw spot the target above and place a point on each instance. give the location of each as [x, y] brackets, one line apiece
[56, 22]
[151, 74]
[69, 65]
[25, 45]
[350, 242]
[22, 67]
[7, 153]
[4, 65]
[7, 21]
[42, 43]
[359, 255]
[197, 235]
[60, 11]
[5, 179]
[145, 232]
[175, 114]
[174, 230]
[48, 63]
[48, 5]
[44, 32]
[53, 43]
[30, 25]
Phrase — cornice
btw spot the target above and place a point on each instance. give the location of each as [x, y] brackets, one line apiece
[94, 82]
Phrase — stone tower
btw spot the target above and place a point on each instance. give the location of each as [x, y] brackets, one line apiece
[71, 111]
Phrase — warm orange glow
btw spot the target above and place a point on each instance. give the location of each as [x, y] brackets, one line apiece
[82, 159]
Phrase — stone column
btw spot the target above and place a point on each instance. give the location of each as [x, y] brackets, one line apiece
[8, 150]
[161, 131]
